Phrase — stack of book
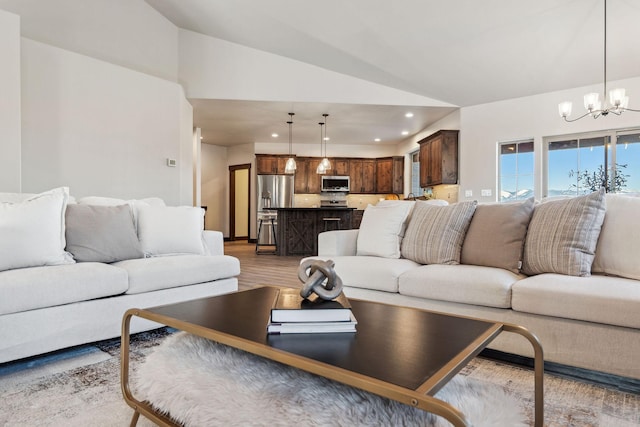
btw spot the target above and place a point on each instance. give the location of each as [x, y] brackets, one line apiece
[292, 314]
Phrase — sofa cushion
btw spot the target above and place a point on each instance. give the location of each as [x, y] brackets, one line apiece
[562, 235]
[371, 272]
[170, 230]
[37, 287]
[618, 246]
[600, 299]
[435, 233]
[32, 231]
[101, 233]
[467, 284]
[151, 274]
[380, 230]
[496, 235]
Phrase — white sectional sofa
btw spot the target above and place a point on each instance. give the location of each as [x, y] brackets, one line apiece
[568, 270]
[69, 271]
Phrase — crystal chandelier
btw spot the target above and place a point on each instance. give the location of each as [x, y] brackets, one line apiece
[618, 101]
[290, 166]
[320, 170]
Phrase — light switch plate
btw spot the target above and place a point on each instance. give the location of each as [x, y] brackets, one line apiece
[468, 193]
[485, 193]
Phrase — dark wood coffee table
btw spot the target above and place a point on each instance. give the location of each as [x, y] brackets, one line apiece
[401, 353]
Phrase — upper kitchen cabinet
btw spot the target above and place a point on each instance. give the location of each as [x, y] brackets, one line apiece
[389, 175]
[363, 175]
[269, 164]
[339, 166]
[307, 181]
[439, 158]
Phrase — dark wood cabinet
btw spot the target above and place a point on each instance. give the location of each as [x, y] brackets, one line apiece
[298, 228]
[439, 158]
[307, 181]
[363, 176]
[268, 164]
[356, 218]
[389, 175]
[339, 166]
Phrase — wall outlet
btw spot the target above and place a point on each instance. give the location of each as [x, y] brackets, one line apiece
[485, 193]
[468, 193]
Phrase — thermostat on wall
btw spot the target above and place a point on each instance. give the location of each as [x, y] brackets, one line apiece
[171, 163]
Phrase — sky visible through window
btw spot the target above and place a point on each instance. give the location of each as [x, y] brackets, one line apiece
[517, 165]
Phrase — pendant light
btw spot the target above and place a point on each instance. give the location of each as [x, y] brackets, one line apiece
[618, 101]
[326, 164]
[290, 166]
[320, 170]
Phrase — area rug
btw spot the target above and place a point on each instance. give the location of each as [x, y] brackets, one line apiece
[200, 383]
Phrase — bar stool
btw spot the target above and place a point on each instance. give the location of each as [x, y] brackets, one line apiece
[330, 222]
[270, 222]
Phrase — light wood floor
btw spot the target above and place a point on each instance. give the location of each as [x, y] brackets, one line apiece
[263, 269]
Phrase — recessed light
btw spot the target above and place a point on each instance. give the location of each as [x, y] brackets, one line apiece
[405, 132]
[326, 138]
[274, 135]
[409, 114]
[201, 138]
[377, 140]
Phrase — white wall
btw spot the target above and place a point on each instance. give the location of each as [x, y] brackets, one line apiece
[10, 102]
[230, 71]
[129, 33]
[215, 194]
[483, 126]
[99, 128]
[189, 159]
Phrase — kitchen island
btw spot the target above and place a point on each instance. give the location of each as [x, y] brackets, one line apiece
[298, 228]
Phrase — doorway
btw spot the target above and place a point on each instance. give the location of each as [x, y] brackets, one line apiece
[239, 201]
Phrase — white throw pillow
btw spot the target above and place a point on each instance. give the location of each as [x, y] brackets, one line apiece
[380, 230]
[165, 230]
[32, 231]
[619, 242]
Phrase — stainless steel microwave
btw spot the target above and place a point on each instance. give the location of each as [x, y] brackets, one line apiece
[335, 183]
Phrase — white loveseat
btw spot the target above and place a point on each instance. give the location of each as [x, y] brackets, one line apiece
[586, 313]
[69, 271]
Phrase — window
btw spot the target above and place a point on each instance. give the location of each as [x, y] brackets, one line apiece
[515, 170]
[584, 163]
[415, 174]
[628, 161]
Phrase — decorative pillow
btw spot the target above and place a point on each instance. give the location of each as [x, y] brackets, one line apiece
[101, 233]
[32, 231]
[496, 235]
[435, 233]
[562, 235]
[134, 204]
[619, 242]
[164, 230]
[380, 230]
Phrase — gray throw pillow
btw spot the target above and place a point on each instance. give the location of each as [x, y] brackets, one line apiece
[435, 233]
[562, 235]
[101, 233]
[496, 235]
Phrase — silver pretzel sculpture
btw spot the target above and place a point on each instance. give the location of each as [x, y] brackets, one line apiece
[319, 277]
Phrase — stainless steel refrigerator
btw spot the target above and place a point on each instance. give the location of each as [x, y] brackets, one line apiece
[274, 191]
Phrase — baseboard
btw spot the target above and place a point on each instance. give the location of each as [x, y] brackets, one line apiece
[616, 382]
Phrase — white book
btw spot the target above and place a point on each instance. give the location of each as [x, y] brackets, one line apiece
[312, 327]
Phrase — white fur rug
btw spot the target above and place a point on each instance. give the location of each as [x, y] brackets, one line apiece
[201, 383]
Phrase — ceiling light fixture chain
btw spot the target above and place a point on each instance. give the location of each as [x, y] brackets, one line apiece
[290, 166]
[326, 164]
[618, 101]
[320, 170]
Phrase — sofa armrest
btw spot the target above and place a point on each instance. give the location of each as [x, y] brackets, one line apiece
[213, 242]
[337, 243]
